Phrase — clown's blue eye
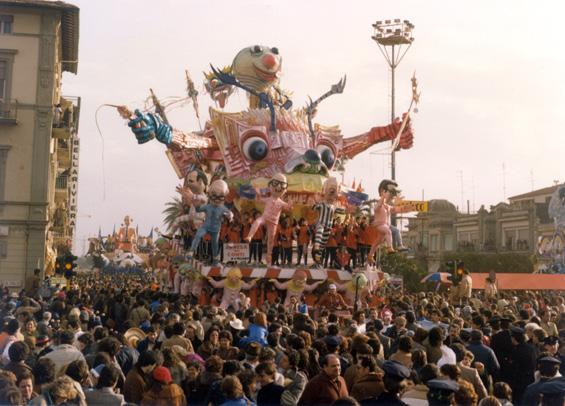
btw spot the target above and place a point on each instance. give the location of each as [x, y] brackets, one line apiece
[327, 155]
[255, 148]
[256, 49]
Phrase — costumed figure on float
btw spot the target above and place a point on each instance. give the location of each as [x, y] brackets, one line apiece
[273, 207]
[127, 236]
[215, 212]
[295, 287]
[382, 229]
[326, 211]
[232, 286]
[356, 289]
[193, 192]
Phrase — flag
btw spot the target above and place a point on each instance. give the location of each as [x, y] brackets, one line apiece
[100, 233]
[151, 233]
[353, 184]
[114, 232]
[359, 188]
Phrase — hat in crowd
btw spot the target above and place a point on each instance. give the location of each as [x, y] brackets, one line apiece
[332, 286]
[396, 369]
[550, 340]
[41, 340]
[549, 360]
[515, 330]
[332, 341]
[162, 375]
[445, 385]
[237, 324]
[196, 358]
[303, 308]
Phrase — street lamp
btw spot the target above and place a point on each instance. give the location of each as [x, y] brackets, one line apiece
[393, 34]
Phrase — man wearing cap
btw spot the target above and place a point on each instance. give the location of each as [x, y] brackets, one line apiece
[332, 300]
[394, 382]
[441, 392]
[326, 387]
[551, 345]
[522, 364]
[548, 367]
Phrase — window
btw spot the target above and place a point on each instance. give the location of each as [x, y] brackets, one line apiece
[3, 79]
[434, 242]
[6, 23]
[3, 158]
[448, 242]
[3, 248]
[6, 64]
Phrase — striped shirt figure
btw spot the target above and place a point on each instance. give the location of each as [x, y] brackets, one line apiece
[326, 211]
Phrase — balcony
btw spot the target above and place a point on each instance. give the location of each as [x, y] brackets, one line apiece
[8, 112]
[63, 153]
[66, 117]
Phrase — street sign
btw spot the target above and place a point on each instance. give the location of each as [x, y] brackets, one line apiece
[236, 252]
[420, 205]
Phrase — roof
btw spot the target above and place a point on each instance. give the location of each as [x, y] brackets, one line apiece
[69, 27]
[540, 192]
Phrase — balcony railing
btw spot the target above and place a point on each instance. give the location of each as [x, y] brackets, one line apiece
[61, 182]
[8, 112]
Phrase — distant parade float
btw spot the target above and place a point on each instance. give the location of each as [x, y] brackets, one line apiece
[265, 168]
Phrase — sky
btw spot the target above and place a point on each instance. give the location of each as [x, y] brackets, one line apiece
[490, 120]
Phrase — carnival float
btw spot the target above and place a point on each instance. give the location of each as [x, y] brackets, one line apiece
[268, 162]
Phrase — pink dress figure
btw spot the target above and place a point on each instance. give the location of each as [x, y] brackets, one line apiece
[270, 217]
[388, 190]
[295, 287]
[232, 287]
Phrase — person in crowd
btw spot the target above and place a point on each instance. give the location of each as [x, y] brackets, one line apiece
[326, 387]
[233, 392]
[163, 391]
[104, 393]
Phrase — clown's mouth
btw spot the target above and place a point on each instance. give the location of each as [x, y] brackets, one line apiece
[266, 75]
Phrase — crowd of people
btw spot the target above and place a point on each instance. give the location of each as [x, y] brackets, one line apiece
[118, 339]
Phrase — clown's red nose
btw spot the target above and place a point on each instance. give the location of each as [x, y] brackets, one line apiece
[269, 61]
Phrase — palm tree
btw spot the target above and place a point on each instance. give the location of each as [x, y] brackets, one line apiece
[173, 210]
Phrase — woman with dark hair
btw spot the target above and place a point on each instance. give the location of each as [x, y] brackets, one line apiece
[433, 344]
[211, 342]
[137, 380]
[226, 350]
[104, 393]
